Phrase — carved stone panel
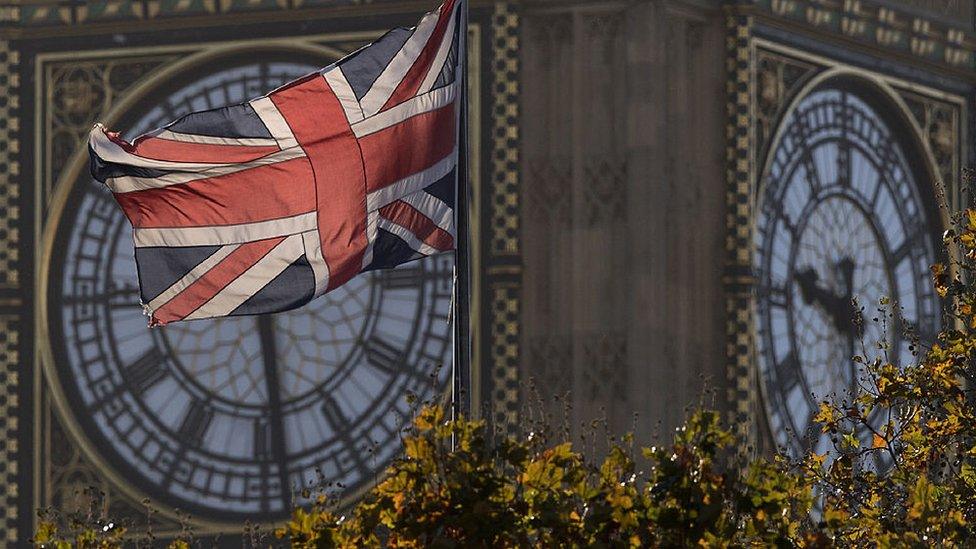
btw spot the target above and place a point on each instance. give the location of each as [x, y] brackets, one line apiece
[77, 486]
[940, 127]
[623, 135]
[605, 368]
[547, 184]
[80, 93]
[778, 78]
[551, 362]
[605, 190]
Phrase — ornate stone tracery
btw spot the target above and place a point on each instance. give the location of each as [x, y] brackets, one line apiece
[605, 190]
[546, 184]
[81, 93]
[940, 124]
[777, 80]
[605, 371]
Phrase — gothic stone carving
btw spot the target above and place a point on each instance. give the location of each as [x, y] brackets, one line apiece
[777, 80]
[81, 93]
[605, 367]
[605, 190]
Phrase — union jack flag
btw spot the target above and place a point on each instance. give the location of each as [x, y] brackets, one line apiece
[261, 207]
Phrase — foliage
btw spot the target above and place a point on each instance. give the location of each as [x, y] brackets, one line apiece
[900, 470]
[88, 527]
[519, 493]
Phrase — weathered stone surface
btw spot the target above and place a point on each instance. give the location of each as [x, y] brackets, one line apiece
[624, 109]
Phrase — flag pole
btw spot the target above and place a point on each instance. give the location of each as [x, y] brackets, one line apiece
[461, 360]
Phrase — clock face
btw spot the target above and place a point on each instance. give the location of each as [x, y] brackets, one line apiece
[842, 215]
[227, 418]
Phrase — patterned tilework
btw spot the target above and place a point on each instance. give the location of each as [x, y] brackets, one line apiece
[504, 224]
[9, 278]
[504, 349]
[738, 278]
[502, 231]
[9, 166]
[9, 489]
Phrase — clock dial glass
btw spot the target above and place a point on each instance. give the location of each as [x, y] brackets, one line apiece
[842, 215]
[226, 418]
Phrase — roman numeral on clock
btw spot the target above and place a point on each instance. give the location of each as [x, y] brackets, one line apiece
[262, 439]
[904, 249]
[146, 371]
[333, 414]
[384, 355]
[195, 422]
[788, 373]
[398, 279]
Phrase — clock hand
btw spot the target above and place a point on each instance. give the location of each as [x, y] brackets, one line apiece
[272, 378]
[846, 268]
[838, 308]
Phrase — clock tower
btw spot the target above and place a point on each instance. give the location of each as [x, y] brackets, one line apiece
[672, 204]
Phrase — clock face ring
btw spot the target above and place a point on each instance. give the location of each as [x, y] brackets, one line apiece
[841, 215]
[226, 418]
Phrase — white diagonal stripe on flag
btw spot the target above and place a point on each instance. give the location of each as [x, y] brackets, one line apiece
[129, 183]
[276, 124]
[110, 151]
[211, 140]
[387, 83]
[347, 98]
[191, 277]
[371, 225]
[427, 102]
[252, 280]
[411, 184]
[225, 234]
[442, 53]
[411, 239]
[434, 208]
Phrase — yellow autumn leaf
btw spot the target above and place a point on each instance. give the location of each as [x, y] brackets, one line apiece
[825, 414]
[835, 515]
[877, 441]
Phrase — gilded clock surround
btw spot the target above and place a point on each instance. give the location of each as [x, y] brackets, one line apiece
[864, 95]
[60, 486]
[767, 78]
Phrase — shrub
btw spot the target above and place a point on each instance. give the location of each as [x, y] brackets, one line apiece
[517, 494]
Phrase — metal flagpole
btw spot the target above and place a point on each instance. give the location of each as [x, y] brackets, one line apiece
[461, 367]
